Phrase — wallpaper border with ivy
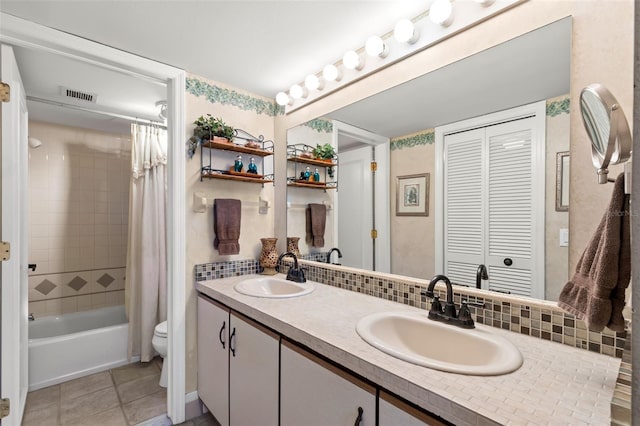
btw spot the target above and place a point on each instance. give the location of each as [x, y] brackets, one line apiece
[220, 95]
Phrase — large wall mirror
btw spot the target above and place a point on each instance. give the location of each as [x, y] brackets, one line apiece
[396, 129]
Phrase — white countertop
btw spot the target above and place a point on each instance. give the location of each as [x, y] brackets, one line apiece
[556, 385]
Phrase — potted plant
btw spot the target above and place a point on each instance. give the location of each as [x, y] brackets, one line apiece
[325, 153]
[209, 128]
[213, 128]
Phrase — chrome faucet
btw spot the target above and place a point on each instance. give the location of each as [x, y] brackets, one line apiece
[331, 251]
[448, 314]
[482, 274]
[294, 273]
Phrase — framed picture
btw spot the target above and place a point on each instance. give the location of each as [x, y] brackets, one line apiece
[562, 181]
[412, 195]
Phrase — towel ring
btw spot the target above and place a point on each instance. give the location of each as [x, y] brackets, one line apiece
[607, 128]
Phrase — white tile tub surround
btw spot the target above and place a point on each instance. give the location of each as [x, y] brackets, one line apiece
[79, 194]
[556, 384]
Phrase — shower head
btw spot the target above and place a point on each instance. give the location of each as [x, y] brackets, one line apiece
[34, 143]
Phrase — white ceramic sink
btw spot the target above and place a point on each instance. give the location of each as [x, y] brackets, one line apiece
[412, 337]
[273, 287]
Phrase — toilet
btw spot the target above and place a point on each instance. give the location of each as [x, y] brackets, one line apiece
[159, 343]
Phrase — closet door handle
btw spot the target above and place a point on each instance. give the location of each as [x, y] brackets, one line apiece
[359, 418]
[224, 325]
[508, 261]
[231, 340]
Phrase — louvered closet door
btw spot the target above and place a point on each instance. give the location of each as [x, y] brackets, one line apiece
[463, 212]
[510, 222]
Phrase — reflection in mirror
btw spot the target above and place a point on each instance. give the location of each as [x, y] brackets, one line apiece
[301, 192]
[531, 68]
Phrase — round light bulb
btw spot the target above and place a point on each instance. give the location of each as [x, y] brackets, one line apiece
[282, 99]
[485, 2]
[351, 60]
[375, 46]
[331, 73]
[441, 12]
[312, 82]
[296, 91]
[405, 31]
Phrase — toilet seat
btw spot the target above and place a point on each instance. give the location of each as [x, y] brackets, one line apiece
[161, 329]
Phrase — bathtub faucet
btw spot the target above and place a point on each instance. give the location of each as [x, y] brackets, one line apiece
[31, 317]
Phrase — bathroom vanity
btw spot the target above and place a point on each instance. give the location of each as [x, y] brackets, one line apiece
[300, 360]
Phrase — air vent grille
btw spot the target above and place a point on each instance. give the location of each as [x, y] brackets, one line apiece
[78, 94]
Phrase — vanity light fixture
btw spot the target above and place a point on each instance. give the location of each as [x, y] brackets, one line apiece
[405, 32]
[283, 99]
[441, 12]
[351, 60]
[297, 92]
[376, 47]
[312, 82]
[331, 73]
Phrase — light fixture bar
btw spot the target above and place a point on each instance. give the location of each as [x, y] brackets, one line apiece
[466, 14]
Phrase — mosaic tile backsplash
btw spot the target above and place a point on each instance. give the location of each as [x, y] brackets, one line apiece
[539, 320]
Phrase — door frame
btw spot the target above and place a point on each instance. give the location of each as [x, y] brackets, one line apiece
[14, 375]
[382, 209]
[20, 32]
[537, 110]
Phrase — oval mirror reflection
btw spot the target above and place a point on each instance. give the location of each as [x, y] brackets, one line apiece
[596, 120]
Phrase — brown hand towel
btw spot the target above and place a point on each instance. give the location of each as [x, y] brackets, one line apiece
[596, 292]
[226, 225]
[316, 215]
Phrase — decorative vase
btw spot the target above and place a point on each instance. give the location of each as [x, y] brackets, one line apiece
[268, 256]
[292, 245]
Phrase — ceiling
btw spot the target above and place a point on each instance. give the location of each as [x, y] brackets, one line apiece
[259, 46]
[264, 47]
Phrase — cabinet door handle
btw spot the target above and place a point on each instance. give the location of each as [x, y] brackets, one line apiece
[224, 325]
[233, 334]
[359, 418]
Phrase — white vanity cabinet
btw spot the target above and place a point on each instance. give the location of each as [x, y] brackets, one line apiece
[237, 367]
[213, 358]
[393, 412]
[316, 393]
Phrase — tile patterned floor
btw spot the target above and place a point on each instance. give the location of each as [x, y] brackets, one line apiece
[125, 396]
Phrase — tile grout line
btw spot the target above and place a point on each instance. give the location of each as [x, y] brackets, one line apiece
[115, 388]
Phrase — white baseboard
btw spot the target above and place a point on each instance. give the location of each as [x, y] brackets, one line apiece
[192, 407]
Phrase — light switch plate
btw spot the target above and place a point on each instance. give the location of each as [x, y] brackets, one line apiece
[564, 237]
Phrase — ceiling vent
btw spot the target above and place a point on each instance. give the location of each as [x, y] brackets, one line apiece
[78, 94]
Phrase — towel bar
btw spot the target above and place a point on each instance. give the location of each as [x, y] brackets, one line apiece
[202, 200]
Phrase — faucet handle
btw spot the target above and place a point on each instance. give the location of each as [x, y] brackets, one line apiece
[464, 317]
[436, 306]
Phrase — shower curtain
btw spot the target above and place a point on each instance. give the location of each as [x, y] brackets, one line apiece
[146, 273]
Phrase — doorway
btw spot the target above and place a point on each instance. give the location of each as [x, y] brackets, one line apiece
[362, 202]
[21, 33]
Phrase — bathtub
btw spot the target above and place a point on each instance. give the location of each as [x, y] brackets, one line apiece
[69, 346]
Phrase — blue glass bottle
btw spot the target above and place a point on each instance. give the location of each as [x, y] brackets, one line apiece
[252, 167]
[237, 165]
[307, 173]
[316, 176]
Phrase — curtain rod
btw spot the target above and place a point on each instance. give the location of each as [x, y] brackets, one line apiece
[96, 111]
